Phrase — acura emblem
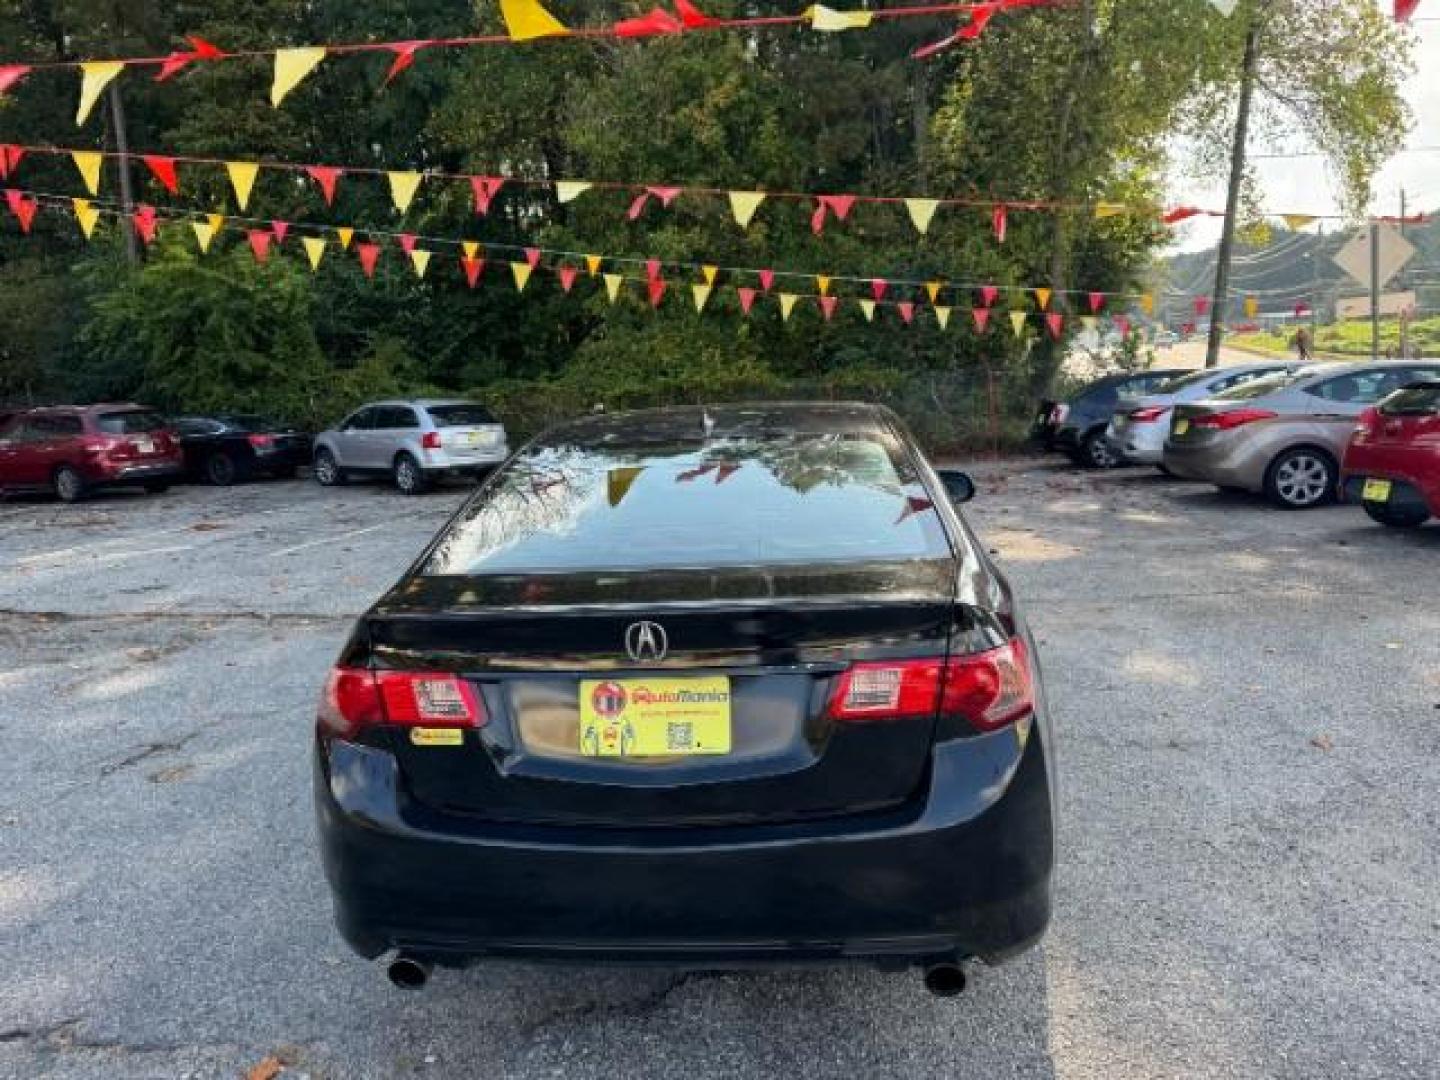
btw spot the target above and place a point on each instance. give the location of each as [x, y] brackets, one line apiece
[646, 641]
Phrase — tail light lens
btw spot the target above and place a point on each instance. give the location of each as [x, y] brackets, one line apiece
[1226, 421]
[1148, 415]
[261, 442]
[990, 690]
[356, 698]
[1366, 423]
[1058, 413]
[430, 440]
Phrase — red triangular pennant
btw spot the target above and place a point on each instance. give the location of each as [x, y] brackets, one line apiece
[485, 188]
[827, 305]
[878, 286]
[767, 279]
[368, 254]
[10, 74]
[1202, 305]
[693, 17]
[325, 176]
[532, 256]
[404, 56]
[998, 220]
[163, 169]
[747, 299]
[982, 318]
[652, 269]
[473, 269]
[25, 210]
[657, 291]
[13, 199]
[177, 61]
[406, 242]
[657, 21]
[988, 295]
[145, 223]
[1122, 324]
[907, 310]
[280, 229]
[260, 243]
[1097, 301]
[1056, 322]
[567, 277]
[1180, 213]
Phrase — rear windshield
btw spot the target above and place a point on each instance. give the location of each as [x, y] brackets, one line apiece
[764, 501]
[1260, 387]
[462, 415]
[131, 422]
[1179, 383]
[1413, 401]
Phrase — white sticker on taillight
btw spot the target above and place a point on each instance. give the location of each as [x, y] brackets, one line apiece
[440, 699]
[873, 688]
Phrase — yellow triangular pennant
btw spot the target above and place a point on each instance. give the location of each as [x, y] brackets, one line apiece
[868, 307]
[592, 263]
[86, 215]
[314, 249]
[292, 65]
[701, 294]
[521, 270]
[420, 259]
[1109, 209]
[823, 18]
[570, 190]
[204, 234]
[1042, 297]
[1252, 307]
[1296, 222]
[1017, 322]
[942, 316]
[471, 248]
[823, 282]
[242, 179]
[403, 186]
[94, 77]
[922, 212]
[612, 285]
[527, 20]
[743, 205]
[345, 234]
[932, 289]
[710, 273]
[1147, 303]
[787, 304]
[89, 162]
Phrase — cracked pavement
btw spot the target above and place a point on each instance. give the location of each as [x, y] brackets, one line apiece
[1248, 703]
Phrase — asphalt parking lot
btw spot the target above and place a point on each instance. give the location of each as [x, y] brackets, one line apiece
[1248, 703]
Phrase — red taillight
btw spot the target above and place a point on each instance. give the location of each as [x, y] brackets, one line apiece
[1225, 421]
[1366, 423]
[990, 689]
[430, 440]
[1059, 412]
[261, 442]
[355, 698]
[1148, 415]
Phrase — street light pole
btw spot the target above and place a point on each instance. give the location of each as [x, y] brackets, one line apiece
[1220, 300]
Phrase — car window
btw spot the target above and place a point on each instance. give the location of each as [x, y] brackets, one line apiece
[1180, 382]
[762, 500]
[464, 414]
[1364, 386]
[1413, 401]
[364, 420]
[192, 426]
[55, 426]
[1102, 394]
[395, 417]
[129, 422]
[1255, 388]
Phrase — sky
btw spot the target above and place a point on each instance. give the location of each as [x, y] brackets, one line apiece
[1303, 185]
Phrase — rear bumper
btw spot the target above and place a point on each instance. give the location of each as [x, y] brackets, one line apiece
[1233, 470]
[1405, 495]
[1140, 444]
[131, 475]
[965, 873]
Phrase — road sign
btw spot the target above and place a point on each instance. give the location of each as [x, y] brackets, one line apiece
[1358, 307]
[1395, 252]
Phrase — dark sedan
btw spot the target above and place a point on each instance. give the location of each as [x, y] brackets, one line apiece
[1077, 427]
[696, 686]
[226, 449]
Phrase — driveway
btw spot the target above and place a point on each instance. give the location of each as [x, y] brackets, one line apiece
[1248, 704]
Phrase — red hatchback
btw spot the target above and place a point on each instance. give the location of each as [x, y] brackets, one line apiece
[73, 450]
[1392, 465]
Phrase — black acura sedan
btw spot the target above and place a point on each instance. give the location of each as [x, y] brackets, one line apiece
[229, 448]
[701, 687]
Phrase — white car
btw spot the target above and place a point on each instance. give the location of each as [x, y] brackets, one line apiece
[413, 442]
[1139, 426]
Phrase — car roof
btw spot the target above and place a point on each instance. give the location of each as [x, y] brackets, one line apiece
[424, 403]
[687, 422]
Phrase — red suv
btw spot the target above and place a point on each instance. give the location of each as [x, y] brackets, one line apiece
[1392, 465]
[72, 450]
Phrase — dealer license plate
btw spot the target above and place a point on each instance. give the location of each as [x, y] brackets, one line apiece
[1376, 491]
[145, 445]
[654, 717]
[1181, 427]
[479, 438]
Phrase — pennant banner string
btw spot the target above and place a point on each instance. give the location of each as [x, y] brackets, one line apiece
[744, 203]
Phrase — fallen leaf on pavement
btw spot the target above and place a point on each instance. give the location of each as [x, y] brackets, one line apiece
[265, 1070]
[1322, 742]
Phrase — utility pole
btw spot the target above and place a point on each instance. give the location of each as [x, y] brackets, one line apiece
[1220, 300]
[127, 193]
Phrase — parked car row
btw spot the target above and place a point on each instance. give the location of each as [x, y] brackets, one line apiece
[72, 450]
[1301, 434]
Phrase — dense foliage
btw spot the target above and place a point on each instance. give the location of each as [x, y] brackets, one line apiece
[1072, 103]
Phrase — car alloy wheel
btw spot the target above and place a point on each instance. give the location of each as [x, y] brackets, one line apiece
[1099, 453]
[327, 472]
[68, 485]
[1302, 479]
[220, 469]
[408, 477]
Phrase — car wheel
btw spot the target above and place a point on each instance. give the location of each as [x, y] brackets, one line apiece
[1300, 479]
[69, 485]
[1097, 451]
[1396, 517]
[220, 469]
[409, 477]
[327, 470]
[157, 487]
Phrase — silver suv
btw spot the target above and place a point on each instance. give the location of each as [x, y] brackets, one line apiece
[414, 442]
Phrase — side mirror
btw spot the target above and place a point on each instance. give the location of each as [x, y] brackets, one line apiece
[958, 485]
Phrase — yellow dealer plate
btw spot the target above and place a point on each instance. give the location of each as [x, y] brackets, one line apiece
[654, 717]
[1182, 426]
[1376, 491]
